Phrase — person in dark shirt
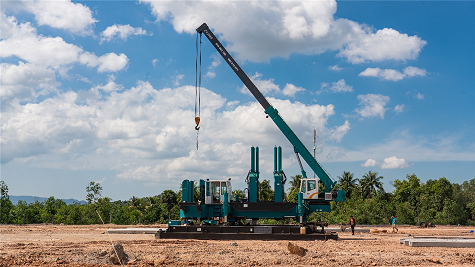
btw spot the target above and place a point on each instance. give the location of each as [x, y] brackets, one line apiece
[352, 225]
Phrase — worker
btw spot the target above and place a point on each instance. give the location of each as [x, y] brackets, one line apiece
[393, 221]
[352, 224]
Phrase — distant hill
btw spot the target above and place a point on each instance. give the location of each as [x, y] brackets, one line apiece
[32, 199]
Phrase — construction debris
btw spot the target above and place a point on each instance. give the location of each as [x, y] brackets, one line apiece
[118, 255]
[434, 260]
[294, 249]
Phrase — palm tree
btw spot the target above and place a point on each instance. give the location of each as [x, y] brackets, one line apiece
[370, 182]
[265, 191]
[347, 182]
[295, 182]
[294, 188]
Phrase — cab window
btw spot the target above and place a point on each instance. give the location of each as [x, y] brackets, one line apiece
[311, 185]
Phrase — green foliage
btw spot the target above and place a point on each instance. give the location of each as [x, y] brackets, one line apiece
[347, 182]
[370, 184]
[265, 191]
[93, 192]
[294, 189]
[5, 204]
[437, 201]
[169, 198]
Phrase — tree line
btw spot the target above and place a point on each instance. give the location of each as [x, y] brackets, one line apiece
[412, 202]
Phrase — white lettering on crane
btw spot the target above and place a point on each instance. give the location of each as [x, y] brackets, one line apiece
[208, 34]
[221, 49]
[231, 63]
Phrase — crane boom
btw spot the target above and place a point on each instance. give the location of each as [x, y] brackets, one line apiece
[299, 147]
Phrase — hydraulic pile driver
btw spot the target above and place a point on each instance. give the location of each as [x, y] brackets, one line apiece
[217, 206]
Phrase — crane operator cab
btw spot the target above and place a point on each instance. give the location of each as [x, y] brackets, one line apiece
[309, 188]
[214, 191]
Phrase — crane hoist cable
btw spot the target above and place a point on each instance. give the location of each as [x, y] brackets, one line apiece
[197, 86]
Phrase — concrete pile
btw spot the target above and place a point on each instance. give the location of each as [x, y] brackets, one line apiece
[439, 241]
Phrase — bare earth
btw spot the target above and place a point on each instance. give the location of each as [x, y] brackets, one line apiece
[59, 245]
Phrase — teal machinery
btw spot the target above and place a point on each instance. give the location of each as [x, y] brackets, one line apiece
[217, 205]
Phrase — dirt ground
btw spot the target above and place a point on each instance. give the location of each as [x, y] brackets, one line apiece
[60, 245]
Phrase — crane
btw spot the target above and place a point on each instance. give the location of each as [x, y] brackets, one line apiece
[299, 147]
[215, 206]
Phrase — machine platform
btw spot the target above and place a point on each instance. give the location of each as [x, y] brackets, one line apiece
[253, 232]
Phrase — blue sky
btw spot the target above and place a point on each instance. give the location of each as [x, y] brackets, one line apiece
[104, 91]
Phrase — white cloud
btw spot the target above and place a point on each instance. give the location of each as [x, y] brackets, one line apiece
[53, 52]
[155, 61]
[335, 68]
[25, 82]
[121, 31]
[62, 14]
[110, 62]
[96, 130]
[370, 163]
[111, 85]
[279, 28]
[291, 90]
[394, 163]
[372, 105]
[385, 44]
[336, 87]
[413, 71]
[216, 62]
[419, 96]
[340, 131]
[399, 108]
[341, 86]
[388, 163]
[393, 75]
[177, 79]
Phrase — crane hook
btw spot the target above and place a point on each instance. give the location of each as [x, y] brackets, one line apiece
[197, 121]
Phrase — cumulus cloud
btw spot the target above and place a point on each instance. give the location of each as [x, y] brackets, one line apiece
[279, 28]
[291, 90]
[387, 163]
[385, 44]
[25, 82]
[121, 31]
[340, 131]
[111, 85]
[62, 14]
[394, 163]
[52, 52]
[337, 87]
[335, 68]
[110, 62]
[94, 129]
[177, 79]
[399, 108]
[216, 62]
[370, 163]
[372, 105]
[393, 75]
